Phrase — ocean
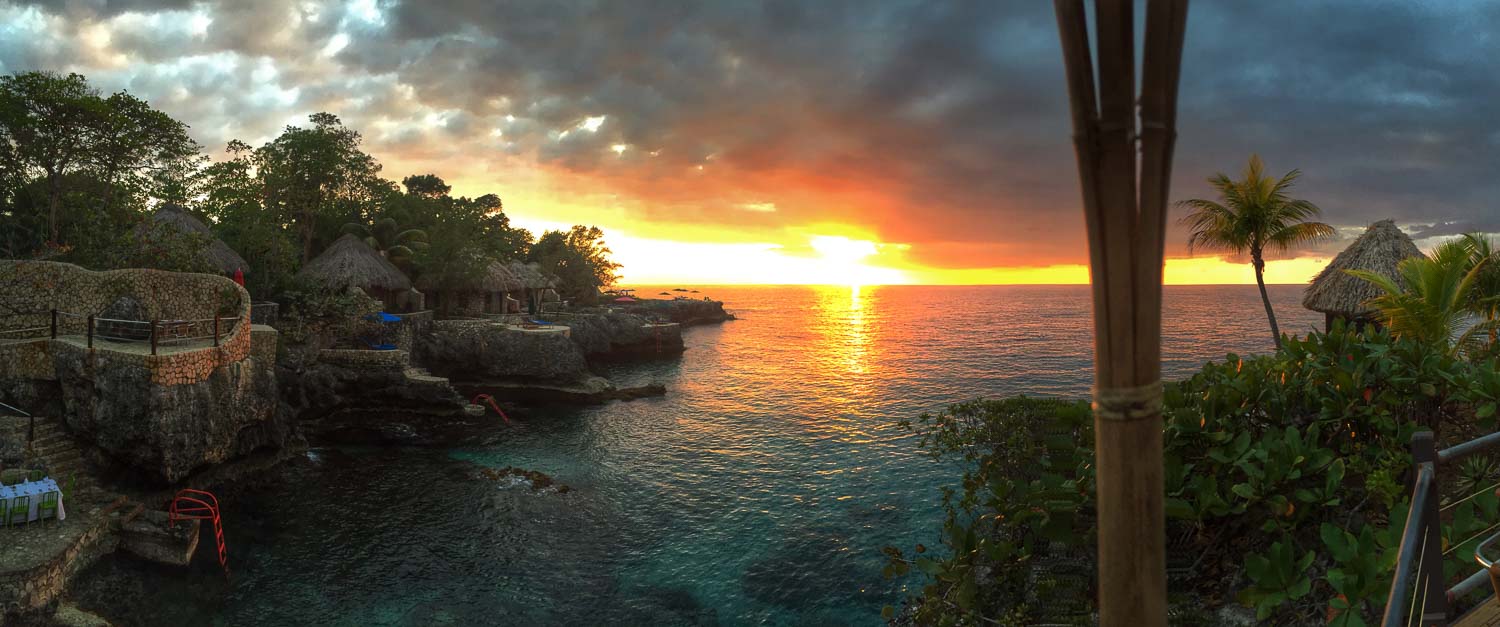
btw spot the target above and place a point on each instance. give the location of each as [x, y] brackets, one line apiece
[759, 490]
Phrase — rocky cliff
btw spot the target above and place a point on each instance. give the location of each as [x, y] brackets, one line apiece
[473, 350]
[684, 312]
[615, 334]
[163, 411]
[169, 429]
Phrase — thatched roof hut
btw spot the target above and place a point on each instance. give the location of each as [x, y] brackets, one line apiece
[496, 277]
[351, 262]
[217, 253]
[1339, 295]
[531, 275]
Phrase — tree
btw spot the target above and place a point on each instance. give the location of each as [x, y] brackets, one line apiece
[1484, 299]
[141, 150]
[462, 235]
[44, 124]
[318, 176]
[1252, 215]
[390, 240]
[59, 137]
[426, 186]
[1435, 304]
[579, 258]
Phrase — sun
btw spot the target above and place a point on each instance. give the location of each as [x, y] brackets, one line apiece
[842, 250]
[840, 262]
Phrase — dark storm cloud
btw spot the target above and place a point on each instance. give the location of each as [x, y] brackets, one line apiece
[943, 125]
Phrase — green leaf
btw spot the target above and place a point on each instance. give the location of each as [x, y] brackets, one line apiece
[1244, 490]
[929, 566]
[1179, 509]
[966, 591]
[1485, 411]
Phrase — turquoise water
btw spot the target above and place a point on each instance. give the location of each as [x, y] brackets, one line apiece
[758, 491]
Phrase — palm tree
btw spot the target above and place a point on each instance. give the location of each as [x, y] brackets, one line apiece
[1436, 304]
[1252, 215]
[1485, 298]
[391, 241]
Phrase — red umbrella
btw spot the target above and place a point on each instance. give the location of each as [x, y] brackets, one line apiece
[239, 277]
[624, 299]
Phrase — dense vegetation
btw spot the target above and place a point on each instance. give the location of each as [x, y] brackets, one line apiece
[80, 171]
[1287, 475]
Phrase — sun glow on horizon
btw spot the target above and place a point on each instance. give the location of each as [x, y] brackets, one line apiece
[821, 254]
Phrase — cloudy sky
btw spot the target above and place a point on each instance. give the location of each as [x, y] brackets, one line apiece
[794, 141]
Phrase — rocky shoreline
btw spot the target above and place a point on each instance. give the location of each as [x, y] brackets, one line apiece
[221, 422]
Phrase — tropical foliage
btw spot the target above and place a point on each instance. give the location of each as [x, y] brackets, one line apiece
[1284, 477]
[74, 163]
[1437, 299]
[579, 257]
[391, 241]
[80, 171]
[1254, 215]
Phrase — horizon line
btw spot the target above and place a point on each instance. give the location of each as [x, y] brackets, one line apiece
[654, 285]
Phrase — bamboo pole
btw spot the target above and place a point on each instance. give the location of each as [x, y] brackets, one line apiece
[1126, 222]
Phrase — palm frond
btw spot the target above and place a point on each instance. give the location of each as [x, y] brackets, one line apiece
[1300, 233]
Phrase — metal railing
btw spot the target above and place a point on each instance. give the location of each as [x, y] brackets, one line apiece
[157, 333]
[30, 422]
[1418, 593]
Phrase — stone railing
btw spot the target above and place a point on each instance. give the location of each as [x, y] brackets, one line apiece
[266, 313]
[42, 286]
[185, 340]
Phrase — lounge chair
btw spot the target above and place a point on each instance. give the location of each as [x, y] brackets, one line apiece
[374, 346]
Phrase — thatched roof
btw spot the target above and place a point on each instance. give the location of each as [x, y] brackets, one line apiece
[217, 253]
[496, 278]
[351, 262]
[1379, 250]
[531, 275]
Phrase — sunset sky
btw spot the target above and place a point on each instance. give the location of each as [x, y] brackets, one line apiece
[856, 141]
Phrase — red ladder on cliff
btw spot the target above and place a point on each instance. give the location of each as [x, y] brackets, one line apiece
[188, 506]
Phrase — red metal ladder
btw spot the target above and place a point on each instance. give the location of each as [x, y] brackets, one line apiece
[188, 505]
[491, 400]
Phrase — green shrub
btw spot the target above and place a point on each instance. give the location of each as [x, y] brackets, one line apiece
[1285, 484]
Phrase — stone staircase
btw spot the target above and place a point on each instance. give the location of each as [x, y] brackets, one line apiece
[56, 450]
[420, 377]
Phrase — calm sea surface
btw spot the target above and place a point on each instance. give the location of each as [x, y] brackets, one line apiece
[759, 490]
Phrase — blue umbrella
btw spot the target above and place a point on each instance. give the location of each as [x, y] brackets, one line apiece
[383, 317]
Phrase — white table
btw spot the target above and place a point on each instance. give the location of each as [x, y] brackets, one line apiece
[35, 490]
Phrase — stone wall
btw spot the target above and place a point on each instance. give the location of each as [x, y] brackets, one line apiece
[166, 414]
[352, 358]
[266, 313]
[42, 285]
[23, 592]
[411, 327]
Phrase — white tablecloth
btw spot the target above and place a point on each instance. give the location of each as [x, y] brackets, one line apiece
[35, 490]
